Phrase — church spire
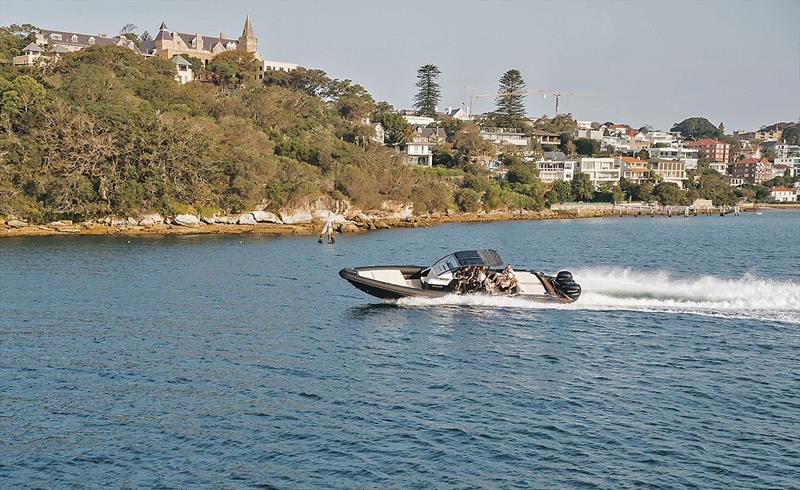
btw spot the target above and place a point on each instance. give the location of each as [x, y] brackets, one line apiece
[248, 28]
[248, 41]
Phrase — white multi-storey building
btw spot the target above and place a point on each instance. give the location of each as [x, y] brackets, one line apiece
[688, 155]
[670, 170]
[601, 170]
[554, 170]
[656, 137]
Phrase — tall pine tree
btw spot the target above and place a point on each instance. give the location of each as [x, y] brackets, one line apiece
[511, 99]
[428, 95]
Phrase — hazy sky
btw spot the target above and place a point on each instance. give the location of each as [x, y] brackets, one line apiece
[643, 62]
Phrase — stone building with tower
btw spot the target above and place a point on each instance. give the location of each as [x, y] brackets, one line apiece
[171, 45]
[168, 44]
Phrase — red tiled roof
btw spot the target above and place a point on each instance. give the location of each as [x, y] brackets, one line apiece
[633, 160]
[779, 189]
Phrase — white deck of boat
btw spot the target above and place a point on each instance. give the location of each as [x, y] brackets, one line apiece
[391, 276]
[529, 283]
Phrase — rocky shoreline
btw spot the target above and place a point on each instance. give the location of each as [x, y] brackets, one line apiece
[299, 222]
[259, 222]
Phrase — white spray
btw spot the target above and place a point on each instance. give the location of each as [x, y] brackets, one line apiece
[622, 289]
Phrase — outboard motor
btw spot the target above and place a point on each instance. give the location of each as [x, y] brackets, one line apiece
[565, 285]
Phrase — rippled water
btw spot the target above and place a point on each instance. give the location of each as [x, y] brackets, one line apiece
[242, 361]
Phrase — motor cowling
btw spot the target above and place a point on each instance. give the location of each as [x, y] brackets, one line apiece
[567, 286]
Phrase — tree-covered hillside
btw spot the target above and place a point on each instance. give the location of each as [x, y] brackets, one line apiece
[106, 131]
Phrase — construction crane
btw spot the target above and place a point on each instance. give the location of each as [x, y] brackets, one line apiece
[504, 94]
[554, 93]
[557, 95]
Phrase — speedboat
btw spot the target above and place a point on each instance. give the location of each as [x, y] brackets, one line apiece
[465, 272]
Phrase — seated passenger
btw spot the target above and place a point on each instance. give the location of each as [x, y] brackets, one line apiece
[508, 279]
[480, 278]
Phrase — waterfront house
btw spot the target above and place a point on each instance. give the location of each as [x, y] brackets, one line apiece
[634, 170]
[669, 170]
[752, 170]
[419, 149]
[711, 149]
[554, 170]
[782, 194]
[601, 170]
[688, 156]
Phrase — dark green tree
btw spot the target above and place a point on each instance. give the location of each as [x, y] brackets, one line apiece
[669, 193]
[791, 134]
[563, 191]
[582, 188]
[697, 127]
[511, 99]
[587, 147]
[428, 95]
[396, 127]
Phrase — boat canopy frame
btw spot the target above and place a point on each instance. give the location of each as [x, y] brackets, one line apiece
[467, 258]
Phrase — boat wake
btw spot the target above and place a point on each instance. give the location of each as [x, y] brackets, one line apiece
[747, 297]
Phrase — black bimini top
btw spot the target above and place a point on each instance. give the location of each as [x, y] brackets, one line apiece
[487, 258]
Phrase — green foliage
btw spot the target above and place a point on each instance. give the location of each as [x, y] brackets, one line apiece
[396, 127]
[669, 193]
[106, 131]
[587, 147]
[428, 93]
[582, 188]
[233, 68]
[511, 99]
[697, 127]
[791, 134]
[561, 192]
[468, 200]
[469, 147]
[561, 123]
[705, 183]
[523, 173]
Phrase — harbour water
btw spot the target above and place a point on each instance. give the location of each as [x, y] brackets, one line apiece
[227, 361]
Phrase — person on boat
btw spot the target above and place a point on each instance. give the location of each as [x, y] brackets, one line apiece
[480, 278]
[462, 277]
[508, 279]
[327, 229]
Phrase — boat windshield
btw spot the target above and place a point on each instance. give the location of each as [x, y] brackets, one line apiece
[469, 258]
